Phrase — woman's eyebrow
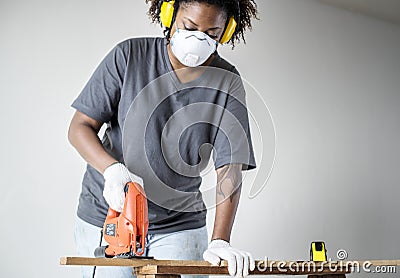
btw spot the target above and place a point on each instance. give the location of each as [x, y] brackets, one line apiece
[213, 28]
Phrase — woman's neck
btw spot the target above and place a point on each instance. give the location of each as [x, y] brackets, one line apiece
[186, 74]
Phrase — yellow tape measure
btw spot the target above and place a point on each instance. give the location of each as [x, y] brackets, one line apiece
[318, 251]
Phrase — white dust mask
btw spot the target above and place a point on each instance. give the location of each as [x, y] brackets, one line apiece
[192, 48]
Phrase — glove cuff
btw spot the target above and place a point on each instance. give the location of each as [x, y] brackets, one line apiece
[124, 176]
[218, 243]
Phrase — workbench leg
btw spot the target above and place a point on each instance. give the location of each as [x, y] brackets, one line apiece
[158, 276]
[328, 276]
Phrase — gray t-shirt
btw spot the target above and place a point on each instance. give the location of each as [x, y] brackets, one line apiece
[164, 130]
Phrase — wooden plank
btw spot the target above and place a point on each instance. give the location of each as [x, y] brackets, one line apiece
[381, 262]
[215, 270]
[328, 276]
[101, 262]
[159, 276]
[129, 262]
[152, 267]
[261, 264]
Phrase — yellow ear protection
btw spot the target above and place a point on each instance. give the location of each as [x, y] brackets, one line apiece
[229, 30]
[167, 11]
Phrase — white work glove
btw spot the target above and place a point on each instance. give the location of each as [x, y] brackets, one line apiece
[116, 176]
[239, 262]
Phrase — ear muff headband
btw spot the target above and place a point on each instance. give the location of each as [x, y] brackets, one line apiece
[167, 14]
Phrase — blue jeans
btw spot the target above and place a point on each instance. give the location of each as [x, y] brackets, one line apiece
[182, 245]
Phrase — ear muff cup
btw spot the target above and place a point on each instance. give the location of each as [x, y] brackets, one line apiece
[167, 13]
[229, 31]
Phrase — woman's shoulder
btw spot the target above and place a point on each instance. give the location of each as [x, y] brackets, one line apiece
[142, 42]
[222, 63]
[136, 49]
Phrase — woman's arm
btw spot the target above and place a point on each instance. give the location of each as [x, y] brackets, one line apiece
[82, 134]
[229, 183]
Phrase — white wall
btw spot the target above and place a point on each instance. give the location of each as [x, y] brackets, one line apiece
[329, 77]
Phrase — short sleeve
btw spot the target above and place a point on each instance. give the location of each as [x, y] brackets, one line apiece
[233, 144]
[100, 97]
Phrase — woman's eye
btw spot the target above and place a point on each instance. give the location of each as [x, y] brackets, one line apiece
[214, 37]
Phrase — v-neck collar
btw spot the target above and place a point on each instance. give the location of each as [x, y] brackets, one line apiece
[174, 78]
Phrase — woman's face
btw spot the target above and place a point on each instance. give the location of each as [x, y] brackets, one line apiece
[202, 17]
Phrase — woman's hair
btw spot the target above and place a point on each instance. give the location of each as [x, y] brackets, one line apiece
[242, 10]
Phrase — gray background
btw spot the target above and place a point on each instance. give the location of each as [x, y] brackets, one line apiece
[331, 79]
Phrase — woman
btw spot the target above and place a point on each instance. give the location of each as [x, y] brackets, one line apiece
[138, 90]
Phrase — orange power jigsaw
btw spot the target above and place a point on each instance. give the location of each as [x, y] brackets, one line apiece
[126, 232]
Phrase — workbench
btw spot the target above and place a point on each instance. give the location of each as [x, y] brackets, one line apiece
[150, 268]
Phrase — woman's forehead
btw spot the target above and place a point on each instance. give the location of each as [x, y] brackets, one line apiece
[199, 11]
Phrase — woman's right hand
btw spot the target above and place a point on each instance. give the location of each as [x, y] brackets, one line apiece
[116, 176]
